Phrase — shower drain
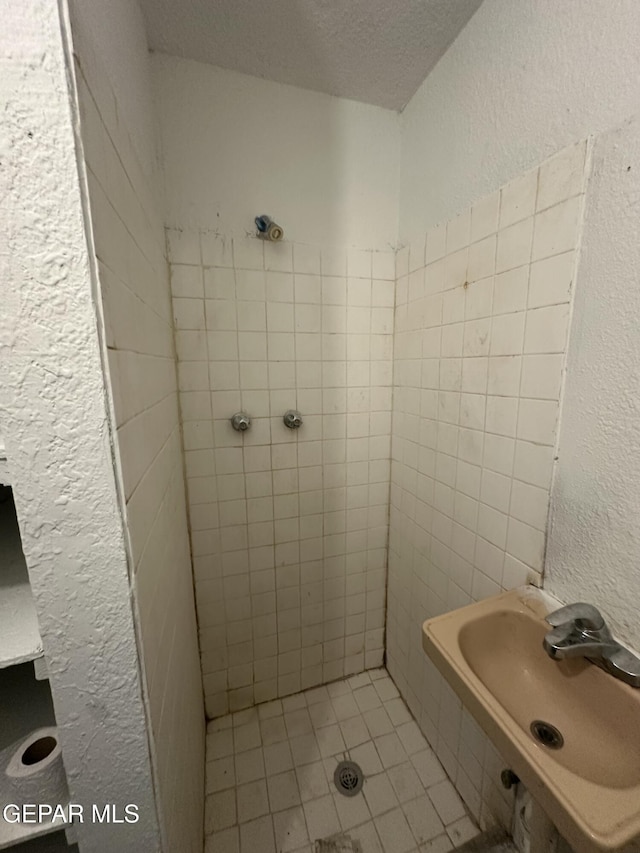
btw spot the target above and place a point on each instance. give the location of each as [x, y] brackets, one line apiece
[348, 778]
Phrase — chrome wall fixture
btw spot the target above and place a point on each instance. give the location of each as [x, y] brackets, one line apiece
[240, 421]
[292, 419]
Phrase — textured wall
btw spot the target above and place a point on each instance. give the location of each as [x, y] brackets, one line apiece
[594, 540]
[521, 81]
[480, 341]
[129, 242]
[236, 146]
[56, 426]
[288, 528]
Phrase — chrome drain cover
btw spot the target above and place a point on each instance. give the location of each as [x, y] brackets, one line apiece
[348, 778]
[546, 734]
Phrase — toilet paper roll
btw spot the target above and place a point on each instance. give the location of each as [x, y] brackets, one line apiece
[34, 772]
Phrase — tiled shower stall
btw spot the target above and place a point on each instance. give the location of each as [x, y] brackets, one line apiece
[282, 575]
[288, 527]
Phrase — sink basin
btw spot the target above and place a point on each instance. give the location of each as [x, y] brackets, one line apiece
[491, 653]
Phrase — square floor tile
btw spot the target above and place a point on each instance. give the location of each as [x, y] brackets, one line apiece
[220, 811]
[378, 722]
[367, 757]
[447, 802]
[277, 758]
[283, 791]
[330, 740]
[345, 706]
[338, 688]
[428, 768]
[405, 781]
[352, 811]
[220, 744]
[298, 722]
[241, 718]
[290, 829]
[441, 844]
[367, 835]
[322, 818]
[423, 819]
[394, 832]
[257, 836]
[268, 710]
[386, 689]
[411, 737]
[220, 774]
[304, 749]
[359, 680]
[354, 731]
[294, 703]
[247, 736]
[312, 781]
[249, 766]
[273, 730]
[226, 841]
[461, 831]
[379, 794]
[322, 714]
[252, 801]
[397, 711]
[390, 750]
[367, 698]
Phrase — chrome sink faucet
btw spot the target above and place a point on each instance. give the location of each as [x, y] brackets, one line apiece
[579, 630]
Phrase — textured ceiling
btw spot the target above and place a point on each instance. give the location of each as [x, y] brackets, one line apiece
[375, 51]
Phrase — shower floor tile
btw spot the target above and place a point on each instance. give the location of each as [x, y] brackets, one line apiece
[270, 775]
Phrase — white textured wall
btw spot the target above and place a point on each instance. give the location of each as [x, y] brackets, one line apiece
[235, 146]
[58, 437]
[594, 542]
[129, 242]
[521, 81]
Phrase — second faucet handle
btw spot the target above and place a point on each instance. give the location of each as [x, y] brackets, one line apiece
[292, 419]
[588, 616]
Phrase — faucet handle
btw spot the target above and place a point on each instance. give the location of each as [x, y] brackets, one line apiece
[588, 616]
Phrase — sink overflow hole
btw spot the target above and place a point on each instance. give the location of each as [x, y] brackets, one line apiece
[546, 734]
[348, 778]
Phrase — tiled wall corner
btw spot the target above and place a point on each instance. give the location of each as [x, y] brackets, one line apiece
[288, 528]
[482, 317]
[130, 250]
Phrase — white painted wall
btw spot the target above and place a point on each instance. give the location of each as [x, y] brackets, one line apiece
[521, 81]
[56, 425]
[129, 241]
[235, 146]
[594, 541]
[116, 33]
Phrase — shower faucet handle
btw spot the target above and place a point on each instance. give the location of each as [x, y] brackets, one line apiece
[240, 421]
[292, 419]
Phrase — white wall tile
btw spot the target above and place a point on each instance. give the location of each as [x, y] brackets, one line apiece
[477, 375]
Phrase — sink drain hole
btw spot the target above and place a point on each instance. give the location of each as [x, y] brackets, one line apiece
[348, 778]
[546, 734]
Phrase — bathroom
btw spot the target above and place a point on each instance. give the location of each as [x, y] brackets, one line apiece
[207, 621]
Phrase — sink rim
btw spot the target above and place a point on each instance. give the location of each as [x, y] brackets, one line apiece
[594, 816]
[524, 635]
